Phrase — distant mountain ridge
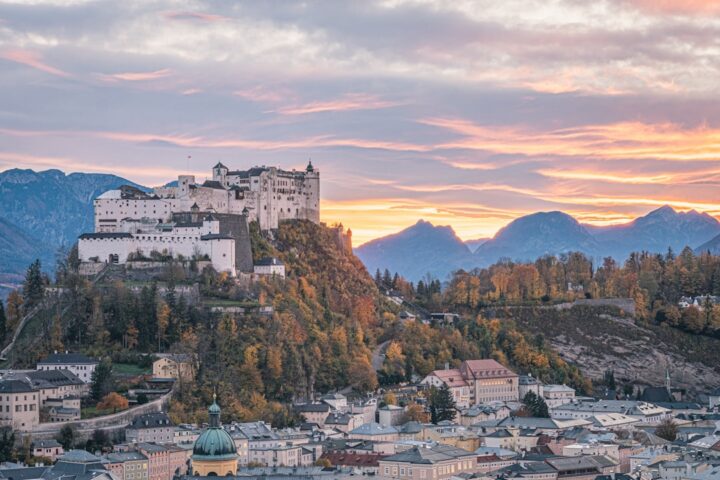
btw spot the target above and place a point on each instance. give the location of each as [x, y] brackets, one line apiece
[543, 233]
[40, 211]
[416, 251]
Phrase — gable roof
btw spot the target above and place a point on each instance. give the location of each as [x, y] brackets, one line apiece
[486, 368]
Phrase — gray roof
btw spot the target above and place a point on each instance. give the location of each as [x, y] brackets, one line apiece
[373, 428]
[52, 443]
[121, 457]
[15, 386]
[429, 455]
[69, 358]
[101, 235]
[151, 420]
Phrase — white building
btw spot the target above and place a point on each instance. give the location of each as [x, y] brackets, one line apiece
[556, 395]
[265, 194]
[80, 365]
[269, 266]
[643, 411]
[140, 238]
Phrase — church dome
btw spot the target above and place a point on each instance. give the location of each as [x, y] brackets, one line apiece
[214, 443]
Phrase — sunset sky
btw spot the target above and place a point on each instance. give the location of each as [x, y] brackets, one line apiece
[467, 113]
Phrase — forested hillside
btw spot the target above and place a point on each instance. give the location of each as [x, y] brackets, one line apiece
[326, 318]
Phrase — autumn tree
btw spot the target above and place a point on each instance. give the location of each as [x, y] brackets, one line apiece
[361, 375]
[113, 401]
[416, 413]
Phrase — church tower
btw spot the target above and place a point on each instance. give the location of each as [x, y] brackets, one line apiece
[214, 453]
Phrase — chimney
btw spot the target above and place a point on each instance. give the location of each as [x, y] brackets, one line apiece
[447, 366]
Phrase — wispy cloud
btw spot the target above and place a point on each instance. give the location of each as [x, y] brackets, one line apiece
[349, 102]
[31, 59]
[135, 76]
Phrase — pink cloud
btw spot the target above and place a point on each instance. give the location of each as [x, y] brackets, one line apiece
[194, 16]
[33, 60]
[349, 102]
[683, 7]
[262, 94]
[135, 76]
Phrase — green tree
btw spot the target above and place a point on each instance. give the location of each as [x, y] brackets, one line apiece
[33, 289]
[67, 437]
[535, 405]
[442, 404]
[7, 443]
[102, 382]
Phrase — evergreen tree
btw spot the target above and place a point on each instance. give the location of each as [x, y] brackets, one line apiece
[101, 380]
[33, 289]
[378, 278]
[7, 443]
[66, 437]
[535, 405]
[442, 404]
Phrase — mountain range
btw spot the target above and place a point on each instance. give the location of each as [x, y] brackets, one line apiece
[424, 249]
[42, 211]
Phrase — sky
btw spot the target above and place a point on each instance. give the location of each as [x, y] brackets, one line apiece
[463, 113]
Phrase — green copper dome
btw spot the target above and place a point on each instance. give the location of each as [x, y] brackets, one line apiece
[214, 443]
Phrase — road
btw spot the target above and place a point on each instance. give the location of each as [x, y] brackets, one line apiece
[378, 355]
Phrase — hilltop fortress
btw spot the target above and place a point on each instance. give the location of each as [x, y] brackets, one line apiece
[207, 221]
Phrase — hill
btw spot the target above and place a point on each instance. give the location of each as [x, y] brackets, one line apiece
[416, 251]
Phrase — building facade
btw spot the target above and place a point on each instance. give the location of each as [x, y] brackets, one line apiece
[477, 382]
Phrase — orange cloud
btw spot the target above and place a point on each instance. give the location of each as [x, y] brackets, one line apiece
[624, 140]
[136, 76]
[31, 59]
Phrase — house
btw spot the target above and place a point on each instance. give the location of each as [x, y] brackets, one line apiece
[19, 405]
[643, 411]
[528, 383]
[164, 461]
[391, 415]
[435, 462]
[337, 401]
[556, 395]
[269, 266]
[314, 412]
[511, 439]
[177, 366]
[477, 381]
[445, 318]
[151, 428]
[481, 413]
[365, 463]
[585, 467]
[374, 431]
[81, 365]
[551, 427]
[127, 465]
[344, 422]
[47, 448]
[451, 378]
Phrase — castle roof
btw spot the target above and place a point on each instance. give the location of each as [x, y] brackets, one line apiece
[220, 165]
[103, 235]
[213, 184]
